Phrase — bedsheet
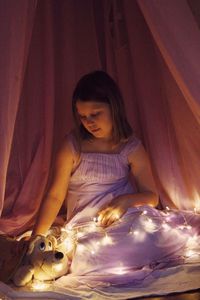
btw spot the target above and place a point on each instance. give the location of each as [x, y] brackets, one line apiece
[160, 282]
[164, 258]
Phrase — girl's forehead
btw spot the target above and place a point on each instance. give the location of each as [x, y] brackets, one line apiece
[90, 105]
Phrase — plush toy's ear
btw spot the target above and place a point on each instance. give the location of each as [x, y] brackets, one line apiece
[52, 240]
[23, 275]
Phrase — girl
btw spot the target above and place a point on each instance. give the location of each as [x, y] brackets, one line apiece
[115, 226]
[95, 159]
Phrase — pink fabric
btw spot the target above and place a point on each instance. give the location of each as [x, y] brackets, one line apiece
[176, 34]
[16, 28]
[150, 47]
[133, 249]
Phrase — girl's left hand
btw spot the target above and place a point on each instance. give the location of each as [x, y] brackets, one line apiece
[112, 213]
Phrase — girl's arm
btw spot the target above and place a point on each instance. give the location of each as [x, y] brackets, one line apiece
[146, 195]
[141, 170]
[56, 194]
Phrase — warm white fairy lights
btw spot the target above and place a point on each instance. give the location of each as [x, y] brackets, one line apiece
[80, 248]
[106, 240]
[95, 219]
[118, 271]
[149, 225]
[196, 201]
[135, 232]
[166, 226]
[73, 236]
[39, 285]
[197, 209]
[117, 217]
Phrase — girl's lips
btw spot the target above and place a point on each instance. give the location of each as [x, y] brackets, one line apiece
[95, 130]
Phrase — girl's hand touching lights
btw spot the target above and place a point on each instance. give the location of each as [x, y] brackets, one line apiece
[112, 213]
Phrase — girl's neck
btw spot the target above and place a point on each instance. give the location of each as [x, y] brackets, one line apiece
[99, 145]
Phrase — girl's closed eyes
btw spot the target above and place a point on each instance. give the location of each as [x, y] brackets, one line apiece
[92, 116]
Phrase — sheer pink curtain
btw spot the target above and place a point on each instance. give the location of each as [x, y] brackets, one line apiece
[16, 21]
[177, 36]
[46, 47]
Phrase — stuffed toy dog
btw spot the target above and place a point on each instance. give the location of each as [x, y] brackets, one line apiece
[45, 260]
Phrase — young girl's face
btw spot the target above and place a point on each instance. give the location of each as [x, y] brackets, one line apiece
[96, 118]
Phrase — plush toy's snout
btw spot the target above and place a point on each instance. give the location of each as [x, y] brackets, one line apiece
[59, 255]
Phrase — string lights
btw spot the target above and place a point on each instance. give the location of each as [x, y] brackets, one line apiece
[147, 223]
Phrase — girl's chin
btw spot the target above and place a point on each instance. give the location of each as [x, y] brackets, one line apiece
[101, 136]
[99, 133]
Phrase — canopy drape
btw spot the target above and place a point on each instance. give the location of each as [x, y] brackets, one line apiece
[151, 48]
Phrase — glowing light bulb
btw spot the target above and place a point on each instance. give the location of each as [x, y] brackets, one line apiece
[196, 197]
[117, 216]
[80, 248]
[39, 285]
[149, 225]
[119, 270]
[95, 219]
[63, 229]
[189, 253]
[197, 209]
[165, 226]
[79, 234]
[192, 242]
[181, 227]
[107, 240]
[92, 227]
[135, 232]
[137, 235]
[189, 227]
[68, 244]
[68, 227]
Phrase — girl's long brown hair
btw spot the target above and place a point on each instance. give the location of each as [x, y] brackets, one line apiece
[100, 87]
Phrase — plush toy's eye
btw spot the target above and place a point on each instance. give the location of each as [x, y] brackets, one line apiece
[50, 244]
[42, 246]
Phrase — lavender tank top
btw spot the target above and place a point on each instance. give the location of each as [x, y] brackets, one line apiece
[97, 179]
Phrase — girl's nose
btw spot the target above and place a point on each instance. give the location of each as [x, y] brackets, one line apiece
[90, 120]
